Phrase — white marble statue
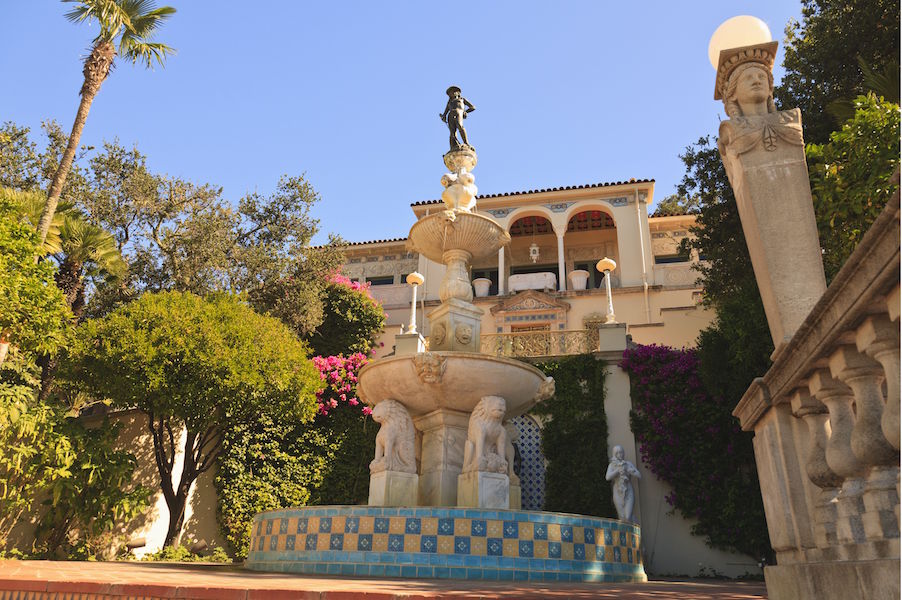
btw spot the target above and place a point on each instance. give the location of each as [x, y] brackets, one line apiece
[395, 440]
[619, 472]
[486, 438]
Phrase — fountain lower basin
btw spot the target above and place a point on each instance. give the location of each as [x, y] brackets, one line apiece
[452, 380]
[445, 543]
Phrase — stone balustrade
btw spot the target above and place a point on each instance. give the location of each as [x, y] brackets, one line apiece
[826, 423]
[533, 344]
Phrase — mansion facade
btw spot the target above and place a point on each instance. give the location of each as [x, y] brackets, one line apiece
[543, 290]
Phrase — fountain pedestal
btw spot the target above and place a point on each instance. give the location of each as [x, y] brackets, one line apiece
[441, 456]
[392, 488]
[481, 489]
[409, 343]
[455, 326]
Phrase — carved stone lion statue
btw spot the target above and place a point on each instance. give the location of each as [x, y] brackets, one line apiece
[395, 440]
[486, 438]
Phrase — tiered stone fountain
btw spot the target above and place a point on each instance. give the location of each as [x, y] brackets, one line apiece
[444, 501]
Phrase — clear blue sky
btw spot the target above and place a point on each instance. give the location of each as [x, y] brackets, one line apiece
[567, 93]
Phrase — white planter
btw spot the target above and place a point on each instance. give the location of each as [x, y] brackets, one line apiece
[482, 285]
[578, 279]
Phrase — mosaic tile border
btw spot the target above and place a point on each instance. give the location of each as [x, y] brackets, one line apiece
[454, 543]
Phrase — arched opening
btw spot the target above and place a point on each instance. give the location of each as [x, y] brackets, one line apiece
[533, 246]
[591, 235]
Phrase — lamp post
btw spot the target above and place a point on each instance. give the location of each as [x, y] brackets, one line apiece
[606, 265]
[414, 280]
[763, 153]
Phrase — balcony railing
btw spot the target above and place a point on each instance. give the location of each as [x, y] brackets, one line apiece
[522, 344]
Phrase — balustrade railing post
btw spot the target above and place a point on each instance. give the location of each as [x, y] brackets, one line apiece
[815, 416]
[838, 399]
[878, 337]
[864, 376]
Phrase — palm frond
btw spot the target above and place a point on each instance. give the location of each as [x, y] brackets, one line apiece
[30, 205]
[83, 242]
[883, 83]
[145, 22]
[145, 52]
[110, 14]
[134, 21]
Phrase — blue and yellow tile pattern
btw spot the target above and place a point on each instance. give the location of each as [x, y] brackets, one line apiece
[445, 543]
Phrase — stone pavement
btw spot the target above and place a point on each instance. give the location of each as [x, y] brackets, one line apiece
[39, 580]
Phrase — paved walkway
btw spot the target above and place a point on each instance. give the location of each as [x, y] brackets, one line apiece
[152, 581]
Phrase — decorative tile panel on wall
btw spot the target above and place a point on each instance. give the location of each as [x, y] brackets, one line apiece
[532, 463]
[453, 543]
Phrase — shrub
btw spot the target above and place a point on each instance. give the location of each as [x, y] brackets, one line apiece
[34, 314]
[274, 463]
[36, 456]
[850, 177]
[352, 319]
[81, 517]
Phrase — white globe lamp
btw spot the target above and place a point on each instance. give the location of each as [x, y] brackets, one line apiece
[736, 32]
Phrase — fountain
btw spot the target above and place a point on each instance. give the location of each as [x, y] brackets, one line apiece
[444, 500]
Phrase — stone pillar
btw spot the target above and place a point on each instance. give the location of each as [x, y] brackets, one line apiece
[784, 484]
[502, 280]
[764, 156]
[863, 375]
[815, 416]
[838, 400]
[442, 455]
[561, 270]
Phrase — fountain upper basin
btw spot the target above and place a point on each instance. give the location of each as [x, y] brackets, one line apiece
[453, 380]
[479, 235]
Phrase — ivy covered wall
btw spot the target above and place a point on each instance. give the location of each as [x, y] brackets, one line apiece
[574, 437]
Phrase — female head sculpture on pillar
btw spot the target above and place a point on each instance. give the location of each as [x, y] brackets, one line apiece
[749, 91]
[745, 81]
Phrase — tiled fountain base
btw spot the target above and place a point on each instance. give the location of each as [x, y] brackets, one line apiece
[445, 543]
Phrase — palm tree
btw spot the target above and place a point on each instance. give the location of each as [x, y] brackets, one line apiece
[86, 252]
[133, 22]
[30, 205]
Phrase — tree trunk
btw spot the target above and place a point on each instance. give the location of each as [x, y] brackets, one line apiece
[176, 519]
[96, 70]
[200, 450]
[70, 281]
